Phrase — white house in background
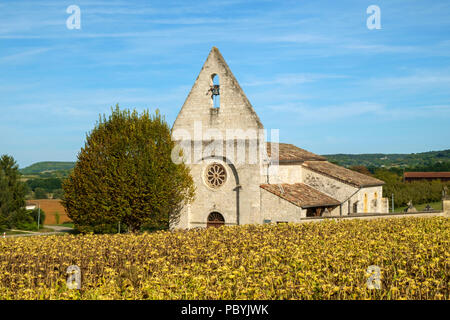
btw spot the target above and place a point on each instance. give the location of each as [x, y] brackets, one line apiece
[30, 206]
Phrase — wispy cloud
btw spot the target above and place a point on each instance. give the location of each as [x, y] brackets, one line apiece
[415, 81]
[24, 55]
[382, 48]
[85, 104]
[329, 113]
[355, 110]
[292, 79]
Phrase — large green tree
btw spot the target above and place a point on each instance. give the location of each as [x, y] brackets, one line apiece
[12, 191]
[125, 174]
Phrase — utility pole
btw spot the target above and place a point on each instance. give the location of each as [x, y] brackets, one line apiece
[39, 214]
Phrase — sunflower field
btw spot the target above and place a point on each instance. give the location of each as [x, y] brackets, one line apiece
[318, 260]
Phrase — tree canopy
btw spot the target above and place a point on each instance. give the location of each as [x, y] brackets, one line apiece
[12, 191]
[125, 174]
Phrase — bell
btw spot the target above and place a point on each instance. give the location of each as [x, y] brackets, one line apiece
[215, 90]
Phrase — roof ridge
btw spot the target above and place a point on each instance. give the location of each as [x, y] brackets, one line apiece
[341, 176]
[288, 152]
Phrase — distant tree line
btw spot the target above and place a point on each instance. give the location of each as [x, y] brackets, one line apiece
[40, 188]
[46, 184]
[433, 167]
[425, 161]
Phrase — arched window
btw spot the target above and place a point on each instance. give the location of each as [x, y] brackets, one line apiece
[215, 219]
[365, 203]
[375, 200]
[215, 90]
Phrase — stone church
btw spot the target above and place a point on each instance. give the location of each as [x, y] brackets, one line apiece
[240, 178]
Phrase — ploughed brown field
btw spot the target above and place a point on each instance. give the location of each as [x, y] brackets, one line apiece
[50, 207]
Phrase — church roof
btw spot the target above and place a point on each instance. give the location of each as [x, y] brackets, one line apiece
[300, 195]
[342, 174]
[290, 153]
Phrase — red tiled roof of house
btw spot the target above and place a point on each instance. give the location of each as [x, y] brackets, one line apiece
[290, 153]
[436, 175]
[342, 174]
[300, 195]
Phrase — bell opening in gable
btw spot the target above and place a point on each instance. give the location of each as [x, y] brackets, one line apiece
[215, 91]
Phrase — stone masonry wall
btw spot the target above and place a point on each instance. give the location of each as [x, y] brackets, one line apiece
[334, 188]
[276, 209]
[288, 174]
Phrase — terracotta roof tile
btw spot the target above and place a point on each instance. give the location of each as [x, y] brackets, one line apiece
[290, 153]
[300, 195]
[343, 174]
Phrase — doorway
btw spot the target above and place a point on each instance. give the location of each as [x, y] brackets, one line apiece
[215, 219]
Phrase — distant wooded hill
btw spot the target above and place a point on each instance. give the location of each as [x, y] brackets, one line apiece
[47, 167]
[433, 160]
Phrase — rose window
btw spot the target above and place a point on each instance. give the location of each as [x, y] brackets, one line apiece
[216, 175]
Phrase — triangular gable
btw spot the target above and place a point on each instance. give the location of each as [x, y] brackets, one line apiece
[235, 112]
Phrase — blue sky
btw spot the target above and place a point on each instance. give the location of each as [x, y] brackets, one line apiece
[311, 69]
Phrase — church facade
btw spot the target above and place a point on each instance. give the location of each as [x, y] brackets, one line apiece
[240, 178]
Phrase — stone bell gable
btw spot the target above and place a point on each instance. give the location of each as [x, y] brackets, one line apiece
[217, 100]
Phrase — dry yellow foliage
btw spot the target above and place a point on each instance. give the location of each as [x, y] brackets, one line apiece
[326, 260]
